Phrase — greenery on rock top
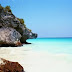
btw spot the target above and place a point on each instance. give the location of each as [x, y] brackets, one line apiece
[21, 21]
[7, 8]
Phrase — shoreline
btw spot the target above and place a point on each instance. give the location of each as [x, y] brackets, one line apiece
[38, 61]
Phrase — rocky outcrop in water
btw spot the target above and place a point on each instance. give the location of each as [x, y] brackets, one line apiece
[8, 66]
[8, 22]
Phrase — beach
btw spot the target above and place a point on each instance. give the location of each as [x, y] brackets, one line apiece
[36, 36]
[38, 61]
[43, 55]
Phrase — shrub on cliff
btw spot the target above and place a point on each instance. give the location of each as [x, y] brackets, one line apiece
[30, 30]
[21, 21]
[7, 8]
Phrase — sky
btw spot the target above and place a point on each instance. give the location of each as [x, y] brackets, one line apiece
[47, 18]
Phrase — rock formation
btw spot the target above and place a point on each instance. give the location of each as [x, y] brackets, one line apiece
[9, 36]
[8, 66]
[9, 22]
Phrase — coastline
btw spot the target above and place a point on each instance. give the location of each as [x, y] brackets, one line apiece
[38, 61]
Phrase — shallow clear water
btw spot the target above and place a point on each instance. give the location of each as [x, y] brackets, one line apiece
[52, 45]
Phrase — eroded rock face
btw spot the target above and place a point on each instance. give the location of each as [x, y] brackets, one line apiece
[9, 36]
[7, 19]
[9, 66]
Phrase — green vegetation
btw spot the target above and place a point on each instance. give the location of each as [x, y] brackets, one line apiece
[21, 21]
[30, 30]
[7, 8]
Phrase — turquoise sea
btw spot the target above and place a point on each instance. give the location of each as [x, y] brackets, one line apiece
[52, 45]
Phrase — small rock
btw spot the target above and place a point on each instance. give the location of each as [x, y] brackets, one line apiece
[9, 66]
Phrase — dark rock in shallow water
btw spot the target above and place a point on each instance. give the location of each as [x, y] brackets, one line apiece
[9, 66]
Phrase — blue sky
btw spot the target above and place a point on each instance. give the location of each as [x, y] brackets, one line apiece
[47, 18]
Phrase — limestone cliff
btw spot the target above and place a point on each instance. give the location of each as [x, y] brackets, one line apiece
[8, 22]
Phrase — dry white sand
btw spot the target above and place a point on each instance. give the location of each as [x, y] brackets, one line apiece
[40, 61]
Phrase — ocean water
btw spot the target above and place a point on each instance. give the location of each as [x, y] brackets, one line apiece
[51, 45]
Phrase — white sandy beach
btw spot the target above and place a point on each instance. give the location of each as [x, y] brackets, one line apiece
[38, 61]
